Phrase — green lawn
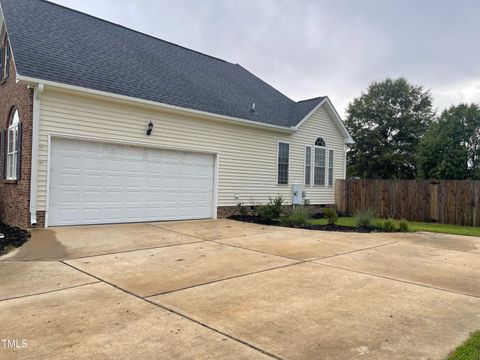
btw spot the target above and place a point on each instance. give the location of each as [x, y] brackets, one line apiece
[413, 226]
[470, 350]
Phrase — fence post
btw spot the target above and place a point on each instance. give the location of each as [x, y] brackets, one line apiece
[475, 202]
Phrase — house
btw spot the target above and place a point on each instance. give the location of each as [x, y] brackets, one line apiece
[102, 124]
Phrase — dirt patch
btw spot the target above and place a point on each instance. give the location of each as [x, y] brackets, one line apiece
[333, 227]
[11, 238]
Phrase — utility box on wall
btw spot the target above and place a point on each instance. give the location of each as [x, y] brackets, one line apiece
[297, 194]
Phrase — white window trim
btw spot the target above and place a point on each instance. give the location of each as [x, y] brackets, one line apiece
[289, 161]
[305, 164]
[325, 182]
[328, 172]
[12, 154]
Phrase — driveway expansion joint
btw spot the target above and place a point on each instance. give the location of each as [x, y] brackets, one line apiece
[50, 291]
[398, 280]
[129, 251]
[224, 279]
[259, 251]
[196, 237]
[353, 251]
[243, 342]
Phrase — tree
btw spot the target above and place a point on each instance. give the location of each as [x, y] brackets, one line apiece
[451, 148]
[387, 123]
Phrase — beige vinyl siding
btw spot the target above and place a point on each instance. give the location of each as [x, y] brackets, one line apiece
[247, 155]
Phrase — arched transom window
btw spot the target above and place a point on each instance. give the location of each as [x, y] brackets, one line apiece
[13, 147]
[320, 142]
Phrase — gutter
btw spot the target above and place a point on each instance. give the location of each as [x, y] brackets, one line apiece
[37, 91]
[33, 81]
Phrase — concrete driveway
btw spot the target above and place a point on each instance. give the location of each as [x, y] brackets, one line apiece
[230, 290]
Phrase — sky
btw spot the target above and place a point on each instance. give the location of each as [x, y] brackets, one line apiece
[308, 48]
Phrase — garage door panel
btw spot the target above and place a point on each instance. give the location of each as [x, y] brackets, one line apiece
[93, 165]
[70, 214]
[92, 183]
[93, 215]
[134, 153]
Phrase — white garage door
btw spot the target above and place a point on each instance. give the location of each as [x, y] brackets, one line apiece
[98, 183]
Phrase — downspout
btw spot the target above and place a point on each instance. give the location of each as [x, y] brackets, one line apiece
[37, 91]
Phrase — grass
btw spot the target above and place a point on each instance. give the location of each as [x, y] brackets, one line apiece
[413, 226]
[469, 350]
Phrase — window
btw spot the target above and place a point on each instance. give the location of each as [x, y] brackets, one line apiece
[320, 142]
[6, 67]
[5, 61]
[283, 158]
[330, 167]
[308, 164]
[319, 166]
[13, 147]
[1, 64]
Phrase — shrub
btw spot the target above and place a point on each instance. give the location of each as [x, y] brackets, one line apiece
[365, 217]
[389, 225]
[243, 210]
[403, 225]
[297, 217]
[276, 205]
[271, 211]
[331, 215]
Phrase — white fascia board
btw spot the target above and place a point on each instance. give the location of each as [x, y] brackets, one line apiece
[99, 93]
[339, 122]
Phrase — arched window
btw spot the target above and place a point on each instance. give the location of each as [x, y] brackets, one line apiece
[13, 146]
[319, 163]
[320, 142]
[5, 60]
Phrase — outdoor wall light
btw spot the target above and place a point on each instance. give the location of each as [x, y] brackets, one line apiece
[150, 128]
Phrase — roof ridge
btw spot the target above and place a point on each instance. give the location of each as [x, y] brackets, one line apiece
[133, 30]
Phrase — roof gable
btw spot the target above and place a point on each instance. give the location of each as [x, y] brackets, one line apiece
[327, 104]
[57, 44]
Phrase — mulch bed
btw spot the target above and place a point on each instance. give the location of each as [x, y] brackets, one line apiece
[256, 220]
[334, 227]
[253, 219]
[13, 237]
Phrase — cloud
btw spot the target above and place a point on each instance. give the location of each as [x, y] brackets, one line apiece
[464, 91]
[307, 48]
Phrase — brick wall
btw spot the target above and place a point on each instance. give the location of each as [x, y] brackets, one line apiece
[15, 195]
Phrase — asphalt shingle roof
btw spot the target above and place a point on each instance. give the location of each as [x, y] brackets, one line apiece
[54, 43]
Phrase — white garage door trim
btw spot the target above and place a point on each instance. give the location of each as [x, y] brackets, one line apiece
[52, 136]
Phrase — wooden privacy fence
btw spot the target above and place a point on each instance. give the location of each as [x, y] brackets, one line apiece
[446, 201]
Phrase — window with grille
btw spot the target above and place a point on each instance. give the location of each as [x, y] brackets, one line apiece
[319, 166]
[308, 164]
[283, 163]
[13, 147]
[330, 167]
